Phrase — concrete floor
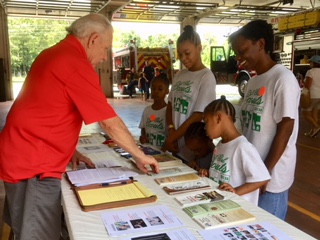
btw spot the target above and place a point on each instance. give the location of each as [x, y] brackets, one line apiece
[304, 207]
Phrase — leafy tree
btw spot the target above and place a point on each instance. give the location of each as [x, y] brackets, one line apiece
[29, 36]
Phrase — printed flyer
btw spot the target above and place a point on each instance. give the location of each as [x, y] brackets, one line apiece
[254, 231]
[140, 220]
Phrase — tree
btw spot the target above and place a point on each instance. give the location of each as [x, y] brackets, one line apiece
[29, 36]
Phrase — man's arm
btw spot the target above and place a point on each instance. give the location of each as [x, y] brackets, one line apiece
[120, 134]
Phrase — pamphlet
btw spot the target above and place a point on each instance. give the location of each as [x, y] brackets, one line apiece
[212, 208]
[199, 198]
[264, 230]
[178, 179]
[140, 220]
[191, 186]
[231, 217]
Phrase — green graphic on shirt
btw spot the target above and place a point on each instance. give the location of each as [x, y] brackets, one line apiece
[220, 166]
[156, 139]
[156, 124]
[182, 87]
[252, 118]
[181, 104]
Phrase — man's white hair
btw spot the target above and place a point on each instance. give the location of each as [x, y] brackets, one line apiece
[88, 24]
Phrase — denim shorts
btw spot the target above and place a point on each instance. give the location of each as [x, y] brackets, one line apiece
[275, 203]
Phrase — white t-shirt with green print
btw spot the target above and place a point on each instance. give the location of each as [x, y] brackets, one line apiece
[270, 97]
[238, 162]
[190, 92]
[154, 123]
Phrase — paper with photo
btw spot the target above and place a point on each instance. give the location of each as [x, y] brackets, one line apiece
[265, 231]
[140, 220]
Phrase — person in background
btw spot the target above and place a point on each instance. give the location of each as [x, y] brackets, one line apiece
[39, 139]
[312, 84]
[269, 113]
[148, 70]
[157, 71]
[236, 164]
[153, 120]
[132, 81]
[192, 89]
[142, 86]
[197, 141]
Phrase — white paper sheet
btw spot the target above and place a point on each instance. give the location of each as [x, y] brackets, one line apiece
[138, 220]
[265, 231]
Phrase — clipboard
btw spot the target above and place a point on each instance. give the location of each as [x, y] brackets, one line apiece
[114, 195]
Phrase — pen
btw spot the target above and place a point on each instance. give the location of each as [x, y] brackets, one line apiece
[109, 184]
[116, 183]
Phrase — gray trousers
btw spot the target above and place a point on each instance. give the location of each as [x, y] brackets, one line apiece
[33, 209]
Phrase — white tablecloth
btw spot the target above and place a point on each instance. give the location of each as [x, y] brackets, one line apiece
[89, 225]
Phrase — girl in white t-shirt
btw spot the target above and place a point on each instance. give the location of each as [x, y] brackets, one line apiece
[236, 164]
[192, 89]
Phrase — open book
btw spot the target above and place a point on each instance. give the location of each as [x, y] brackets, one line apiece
[113, 195]
[218, 214]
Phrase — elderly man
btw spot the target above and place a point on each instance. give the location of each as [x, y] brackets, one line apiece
[39, 139]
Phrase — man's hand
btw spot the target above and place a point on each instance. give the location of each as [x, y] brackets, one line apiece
[147, 160]
[78, 157]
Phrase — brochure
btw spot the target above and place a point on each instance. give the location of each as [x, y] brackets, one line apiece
[140, 220]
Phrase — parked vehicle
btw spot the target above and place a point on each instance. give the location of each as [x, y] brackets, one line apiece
[227, 70]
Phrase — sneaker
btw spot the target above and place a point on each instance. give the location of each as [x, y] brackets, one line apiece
[315, 132]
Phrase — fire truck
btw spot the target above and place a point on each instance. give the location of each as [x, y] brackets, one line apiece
[134, 57]
[227, 70]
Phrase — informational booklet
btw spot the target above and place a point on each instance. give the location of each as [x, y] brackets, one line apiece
[199, 198]
[212, 208]
[180, 234]
[263, 231]
[228, 218]
[178, 179]
[186, 187]
[140, 220]
[167, 160]
[172, 171]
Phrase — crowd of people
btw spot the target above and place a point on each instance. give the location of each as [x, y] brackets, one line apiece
[62, 90]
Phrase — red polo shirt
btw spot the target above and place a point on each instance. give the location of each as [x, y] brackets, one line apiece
[60, 92]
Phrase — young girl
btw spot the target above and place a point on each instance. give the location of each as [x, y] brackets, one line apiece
[192, 89]
[197, 141]
[236, 164]
[153, 121]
